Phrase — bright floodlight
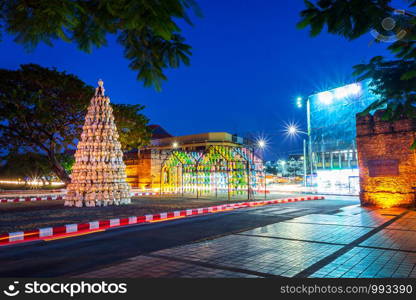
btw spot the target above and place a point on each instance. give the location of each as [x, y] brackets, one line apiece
[341, 92]
[175, 145]
[354, 89]
[299, 102]
[326, 97]
[261, 143]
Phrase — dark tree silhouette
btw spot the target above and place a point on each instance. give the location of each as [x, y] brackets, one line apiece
[147, 29]
[394, 80]
[42, 111]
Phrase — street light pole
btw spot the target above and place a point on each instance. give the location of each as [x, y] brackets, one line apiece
[292, 130]
[304, 163]
[308, 116]
[265, 182]
[248, 180]
[261, 144]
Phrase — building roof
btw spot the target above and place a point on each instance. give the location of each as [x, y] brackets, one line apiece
[158, 132]
[202, 139]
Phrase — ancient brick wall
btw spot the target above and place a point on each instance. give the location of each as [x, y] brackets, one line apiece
[144, 176]
[144, 171]
[131, 160]
[387, 164]
[158, 158]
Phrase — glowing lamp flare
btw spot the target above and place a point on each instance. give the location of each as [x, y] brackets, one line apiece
[326, 97]
[351, 90]
[292, 130]
[299, 101]
[261, 143]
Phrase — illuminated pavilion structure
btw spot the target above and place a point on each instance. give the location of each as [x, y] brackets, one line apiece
[201, 164]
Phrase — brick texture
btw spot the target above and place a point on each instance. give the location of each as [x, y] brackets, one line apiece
[378, 140]
[143, 170]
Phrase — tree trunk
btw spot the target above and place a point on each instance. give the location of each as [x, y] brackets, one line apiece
[58, 169]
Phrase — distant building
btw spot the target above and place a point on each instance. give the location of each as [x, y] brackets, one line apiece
[332, 129]
[206, 161]
[197, 141]
[291, 167]
[298, 157]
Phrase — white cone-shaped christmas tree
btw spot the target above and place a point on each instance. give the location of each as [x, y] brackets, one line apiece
[99, 174]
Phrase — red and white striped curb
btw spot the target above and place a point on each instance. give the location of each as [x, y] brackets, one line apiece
[144, 194]
[30, 199]
[60, 197]
[153, 193]
[174, 193]
[68, 230]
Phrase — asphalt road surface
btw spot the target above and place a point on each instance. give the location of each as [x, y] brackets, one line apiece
[78, 255]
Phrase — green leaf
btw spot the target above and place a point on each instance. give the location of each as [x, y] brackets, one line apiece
[408, 75]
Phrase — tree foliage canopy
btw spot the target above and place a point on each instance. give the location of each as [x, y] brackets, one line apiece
[147, 29]
[42, 111]
[394, 80]
[131, 126]
[25, 165]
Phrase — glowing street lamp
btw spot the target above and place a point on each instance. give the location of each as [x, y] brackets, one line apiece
[261, 143]
[175, 145]
[299, 101]
[292, 130]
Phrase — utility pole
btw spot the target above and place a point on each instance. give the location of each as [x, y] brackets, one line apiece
[308, 115]
[304, 163]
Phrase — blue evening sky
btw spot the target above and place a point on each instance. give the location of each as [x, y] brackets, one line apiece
[249, 63]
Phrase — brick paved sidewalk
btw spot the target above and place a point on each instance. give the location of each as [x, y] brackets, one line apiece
[355, 242]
